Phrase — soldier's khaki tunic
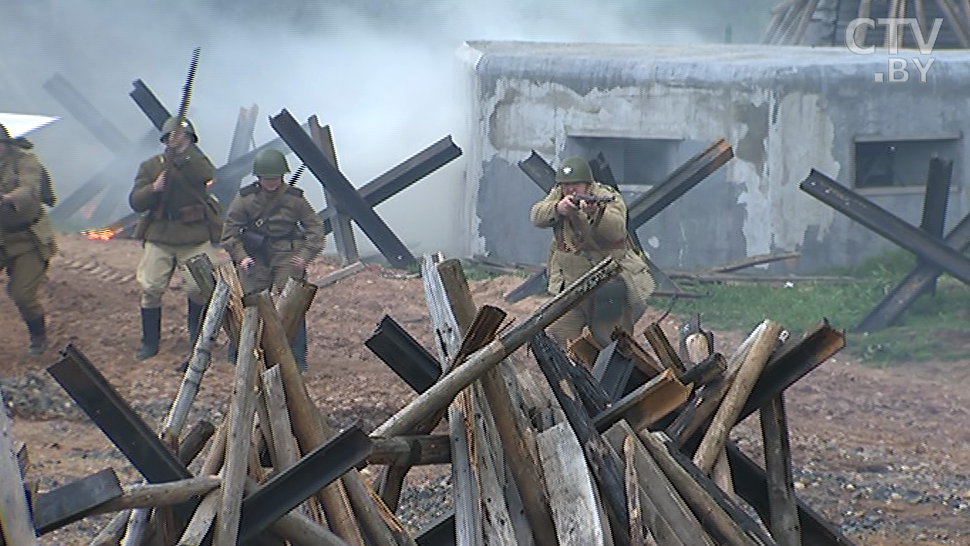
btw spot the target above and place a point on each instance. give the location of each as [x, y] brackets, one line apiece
[294, 229]
[181, 229]
[26, 239]
[571, 254]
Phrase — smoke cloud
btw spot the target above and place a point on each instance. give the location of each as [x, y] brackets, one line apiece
[384, 75]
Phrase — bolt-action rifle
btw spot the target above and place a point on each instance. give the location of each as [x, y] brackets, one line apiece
[178, 131]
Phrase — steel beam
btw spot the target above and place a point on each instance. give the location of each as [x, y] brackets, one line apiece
[879, 220]
[314, 471]
[408, 358]
[334, 181]
[343, 231]
[613, 371]
[688, 175]
[102, 403]
[73, 501]
[84, 112]
[402, 176]
[149, 104]
[916, 282]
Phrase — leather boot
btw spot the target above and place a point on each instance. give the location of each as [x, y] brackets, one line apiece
[151, 331]
[37, 328]
[298, 345]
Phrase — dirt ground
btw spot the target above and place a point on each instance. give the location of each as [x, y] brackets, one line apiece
[881, 452]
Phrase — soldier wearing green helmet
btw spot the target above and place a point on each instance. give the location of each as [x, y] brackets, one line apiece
[272, 233]
[589, 223]
[27, 240]
[179, 220]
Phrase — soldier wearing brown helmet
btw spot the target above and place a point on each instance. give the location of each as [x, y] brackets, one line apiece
[26, 239]
[589, 223]
[180, 220]
[272, 233]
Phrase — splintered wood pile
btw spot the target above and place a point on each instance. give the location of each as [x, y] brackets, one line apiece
[617, 446]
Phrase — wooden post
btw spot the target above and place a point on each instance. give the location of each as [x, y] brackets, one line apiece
[606, 466]
[442, 392]
[725, 529]
[511, 429]
[15, 518]
[241, 412]
[713, 442]
[159, 494]
[571, 489]
[304, 415]
[201, 356]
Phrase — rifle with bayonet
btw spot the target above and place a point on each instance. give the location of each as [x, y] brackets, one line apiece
[177, 132]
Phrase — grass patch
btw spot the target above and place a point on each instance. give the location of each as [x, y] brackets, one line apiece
[928, 330]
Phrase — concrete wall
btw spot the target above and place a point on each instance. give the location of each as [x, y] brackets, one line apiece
[784, 111]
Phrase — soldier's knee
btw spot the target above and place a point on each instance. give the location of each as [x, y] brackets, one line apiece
[151, 298]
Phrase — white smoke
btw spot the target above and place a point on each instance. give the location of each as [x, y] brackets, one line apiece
[387, 86]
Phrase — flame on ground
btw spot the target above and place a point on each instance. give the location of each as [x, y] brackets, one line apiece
[103, 234]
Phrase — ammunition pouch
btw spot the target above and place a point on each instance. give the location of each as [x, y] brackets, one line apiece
[190, 214]
[255, 243]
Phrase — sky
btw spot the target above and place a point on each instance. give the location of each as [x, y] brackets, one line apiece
[385, 75]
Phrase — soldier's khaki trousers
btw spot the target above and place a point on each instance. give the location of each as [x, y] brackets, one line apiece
[158, 264]
[26, 273]
[570, 325]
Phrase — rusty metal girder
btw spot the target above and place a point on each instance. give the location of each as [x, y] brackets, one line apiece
[879, 220]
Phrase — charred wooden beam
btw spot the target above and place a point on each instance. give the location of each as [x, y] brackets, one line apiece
[402, 176]
[784, 522]
[879, 220]
[336, 183]
[665, 351]
[286, 490]
[408, 358]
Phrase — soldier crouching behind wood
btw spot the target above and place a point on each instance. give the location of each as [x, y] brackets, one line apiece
[180, 220]
[26, 238]
[272, 233]
[589, 223]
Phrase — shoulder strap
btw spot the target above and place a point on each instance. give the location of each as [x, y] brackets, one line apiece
[270, 208]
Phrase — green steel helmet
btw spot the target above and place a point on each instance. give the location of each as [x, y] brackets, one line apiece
[270, 162]
[574, 169]
[169, 126]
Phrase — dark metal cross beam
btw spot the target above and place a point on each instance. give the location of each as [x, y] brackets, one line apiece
[642, 209]
[879, 220]
[402, 176]
[343, 191]
[343, 231]
[922, 278]
[109, 135]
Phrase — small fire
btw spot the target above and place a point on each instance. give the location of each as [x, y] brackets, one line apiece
[103, 234]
